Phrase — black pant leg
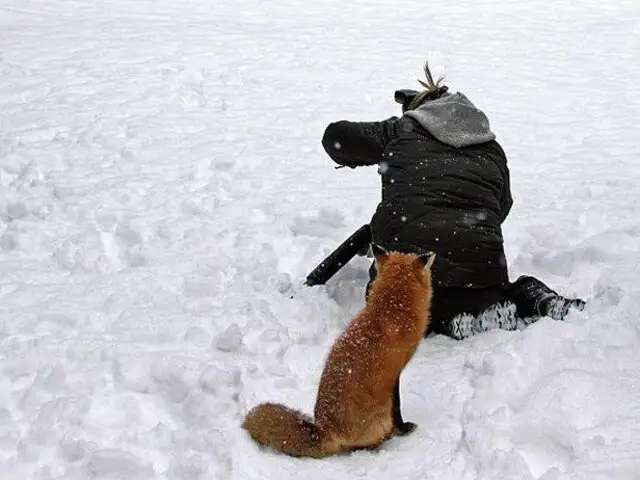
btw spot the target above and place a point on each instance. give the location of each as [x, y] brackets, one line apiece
[460, 312]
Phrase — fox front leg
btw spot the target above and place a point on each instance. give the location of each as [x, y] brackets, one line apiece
[400, 427]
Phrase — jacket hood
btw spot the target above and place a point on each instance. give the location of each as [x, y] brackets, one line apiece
[453, 120]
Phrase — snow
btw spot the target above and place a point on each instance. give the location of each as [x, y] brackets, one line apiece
[164, 193]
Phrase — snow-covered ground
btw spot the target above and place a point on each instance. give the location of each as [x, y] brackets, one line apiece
[163, 193]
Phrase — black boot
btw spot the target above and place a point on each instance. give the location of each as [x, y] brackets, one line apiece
[534, 298]
[558, 307]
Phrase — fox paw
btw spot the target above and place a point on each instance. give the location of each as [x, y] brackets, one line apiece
[405, 428]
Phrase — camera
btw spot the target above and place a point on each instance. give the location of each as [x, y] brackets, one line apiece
[404, 97]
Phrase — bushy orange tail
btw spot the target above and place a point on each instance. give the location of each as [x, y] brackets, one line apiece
[285, 430]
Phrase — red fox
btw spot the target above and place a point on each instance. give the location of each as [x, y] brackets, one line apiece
[358, 401]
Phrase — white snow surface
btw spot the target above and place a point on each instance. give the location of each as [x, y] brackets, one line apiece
[164, 193]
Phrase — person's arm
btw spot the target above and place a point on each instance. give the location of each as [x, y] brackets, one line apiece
[355, 144]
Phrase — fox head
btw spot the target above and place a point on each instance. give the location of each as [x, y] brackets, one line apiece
[418, 265]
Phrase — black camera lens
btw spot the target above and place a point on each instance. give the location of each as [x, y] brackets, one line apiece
[404, 96]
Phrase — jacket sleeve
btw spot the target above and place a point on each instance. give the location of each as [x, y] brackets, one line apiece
[355, 144]
[506, 201]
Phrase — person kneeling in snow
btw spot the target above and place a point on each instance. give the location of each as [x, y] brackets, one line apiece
[445, 188]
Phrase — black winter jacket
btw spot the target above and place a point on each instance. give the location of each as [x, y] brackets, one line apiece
[445, 186]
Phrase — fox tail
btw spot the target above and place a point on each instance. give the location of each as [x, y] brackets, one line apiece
[285, 430]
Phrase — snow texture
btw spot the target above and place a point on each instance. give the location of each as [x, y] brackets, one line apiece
[164, 193]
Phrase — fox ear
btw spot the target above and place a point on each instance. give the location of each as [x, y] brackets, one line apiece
[427, 259]
[379, 253]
